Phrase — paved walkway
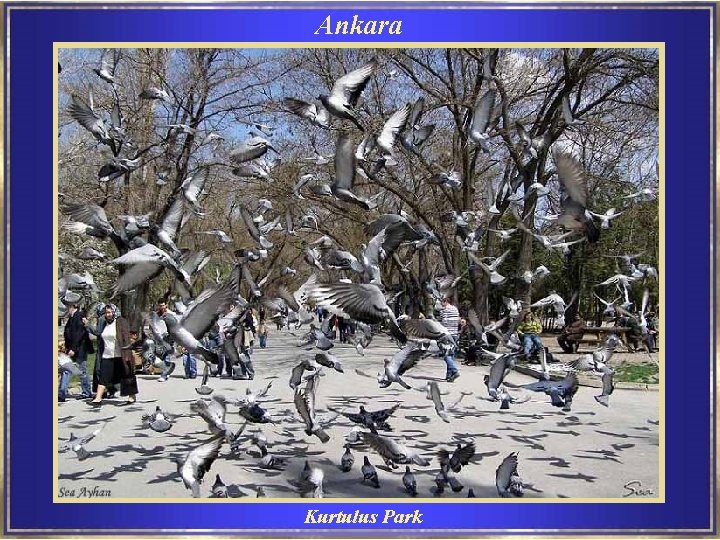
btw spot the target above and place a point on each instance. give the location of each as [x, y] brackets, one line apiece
[592, 451]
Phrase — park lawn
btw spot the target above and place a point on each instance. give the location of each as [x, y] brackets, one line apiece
[644, 372]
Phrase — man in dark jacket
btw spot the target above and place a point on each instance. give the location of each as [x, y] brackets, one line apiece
[77, 344]
[572, 334]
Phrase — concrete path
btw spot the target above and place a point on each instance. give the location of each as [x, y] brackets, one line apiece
[592, 451]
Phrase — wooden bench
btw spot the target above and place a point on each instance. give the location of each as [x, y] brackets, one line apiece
[598, 335]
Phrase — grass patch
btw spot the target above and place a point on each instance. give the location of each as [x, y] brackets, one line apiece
[645, 372]
[75, 379]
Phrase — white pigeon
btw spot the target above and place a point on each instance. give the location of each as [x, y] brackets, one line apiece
[605, 218]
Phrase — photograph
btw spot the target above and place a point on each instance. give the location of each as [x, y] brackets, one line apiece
[358, 273]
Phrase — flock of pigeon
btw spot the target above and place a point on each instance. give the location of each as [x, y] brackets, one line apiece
[147, 247]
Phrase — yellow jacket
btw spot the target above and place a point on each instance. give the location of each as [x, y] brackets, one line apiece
[532, 326]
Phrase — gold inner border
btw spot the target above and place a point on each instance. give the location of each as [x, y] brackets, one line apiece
[661, 213]
[420, 6]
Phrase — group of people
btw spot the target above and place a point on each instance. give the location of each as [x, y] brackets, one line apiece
[117, 347]
[529, 330]
[114, 361]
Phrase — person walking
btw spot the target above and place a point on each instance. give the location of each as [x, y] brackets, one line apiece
[114, 363]
[262, 333]
[77, 345]
[450, 319]
[529, 332]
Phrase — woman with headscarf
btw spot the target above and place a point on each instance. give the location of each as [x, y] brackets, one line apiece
[114, 362]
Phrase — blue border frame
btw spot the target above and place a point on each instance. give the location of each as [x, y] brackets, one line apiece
[690, 480]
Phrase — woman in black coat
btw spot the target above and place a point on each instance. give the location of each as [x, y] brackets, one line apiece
[114, 362]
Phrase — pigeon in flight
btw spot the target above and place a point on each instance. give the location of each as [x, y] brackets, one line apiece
[405, 359]
[605, 218]
[213, 412]
[480, 123]
[77, 444]
[414, 135]
[317, 114]
[193, 466]
[561, 392]
[305, 400]
[389, 134]
[252, 148]
[460, 457]
[370, 419]
[154, 93]
[345, 170]
[361, 302]
[391, 451]
[574, 203]
[84, 115]
[507, 481]
[346, 91]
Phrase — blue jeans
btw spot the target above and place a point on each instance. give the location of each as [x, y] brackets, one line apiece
[449, 358]
[530, 340]
[263, 341]
[81, 364]
[190, 366]
[64, 383]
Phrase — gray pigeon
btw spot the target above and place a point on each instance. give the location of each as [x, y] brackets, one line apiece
[347, 460]
[346, 91]
[409, 482]
[507, 481]
[369, 473]
[193, 466]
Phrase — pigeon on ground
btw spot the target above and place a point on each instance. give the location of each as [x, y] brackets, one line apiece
[409, 482]
[369, 473]
[347, 460]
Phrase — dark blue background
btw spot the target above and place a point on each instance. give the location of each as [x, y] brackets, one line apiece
[687, 266]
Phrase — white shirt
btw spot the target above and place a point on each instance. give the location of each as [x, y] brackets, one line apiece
[109, 336]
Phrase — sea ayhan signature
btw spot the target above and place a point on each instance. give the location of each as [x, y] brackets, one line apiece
[84, 491]
[634, 488]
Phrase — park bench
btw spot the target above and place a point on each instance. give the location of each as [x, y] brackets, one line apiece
[596, 336]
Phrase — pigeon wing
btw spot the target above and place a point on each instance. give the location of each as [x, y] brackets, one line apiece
[364, 302]
[571, 177]
[84, 115]
[483, 109]
[249, 223]
[437, 401]
[393, 126]
[201, 459]
[135, 276]
[200, 317]
[506, 470]
[344, 162]
[350, 86]
[172, 218]
[90, 214]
